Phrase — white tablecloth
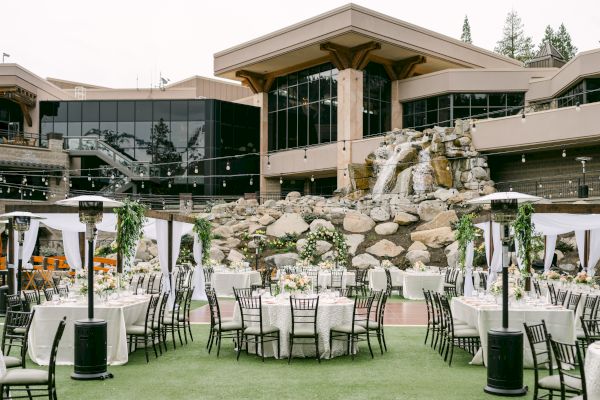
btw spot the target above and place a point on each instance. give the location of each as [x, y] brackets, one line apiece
[280, 315]
[348, 278]
[224, 282]
[3, 364]
[118, 314]
[378, 280]
[414, 282]
[592, 370]
[559, 321]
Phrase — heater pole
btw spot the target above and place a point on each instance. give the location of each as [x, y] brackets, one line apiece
[20, 261]
[90, 233]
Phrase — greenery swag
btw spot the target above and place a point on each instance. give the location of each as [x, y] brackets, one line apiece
[131, 218]
[524, 229]
[465, 233]
[202, 228]
[340, 248]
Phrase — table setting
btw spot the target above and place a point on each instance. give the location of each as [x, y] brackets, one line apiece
[236, 274]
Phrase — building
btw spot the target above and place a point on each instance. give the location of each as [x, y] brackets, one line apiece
[314, 99]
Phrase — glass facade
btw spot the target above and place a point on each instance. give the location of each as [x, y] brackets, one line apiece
[586, 91]
[443, 110]
[181, 133]
[377, 104]
[303, 108]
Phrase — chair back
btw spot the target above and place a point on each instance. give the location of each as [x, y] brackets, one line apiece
[388, 282]
[313, 275]
[32, 297]
[13, 302]
[437, 307]
[378, 299]
[429, 304]
[537, 335]
[208, 273]
[591, 329]
[573, 301]
[215, 309]
[346, 292]
[337, 277]
[589, 307]
[536, 287]
[483, 280]
[63, 291]
[162, 307]
[552, 292]
[251, 311]
[569, 360]
[178, 304]
[561, 296]
[49, 293]
[304, 313]
[187, 305]
[54, 351]
[448, 320]
[149, 286]
[151, 313]
[11, 338]
[360, 276]
[246, 292]
[362, 310]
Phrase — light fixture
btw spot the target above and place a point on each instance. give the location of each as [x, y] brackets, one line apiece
[64, 178]
[281, 180]
[448, 167]
[117, 185]
[224, 183]
[93, 184]
[141, 174]
[112, 176]
[577, 106]
[89, 178]
[169, 172]
[344, 148]
[228, 166]
[570, 182]
[196, 169]
[305, 158]
[344, 173]
[523, 158]
[312, 178]
[43, 180]
[269, 162]
[540, 185]
[70, 184]
[194, 184]
[8, 190]
[510, 189]
[169, 184]
[91, 331]
[474, 127]
[564, 153]
[46, 182]
[142, 184]
[251, 181]
[523, 117]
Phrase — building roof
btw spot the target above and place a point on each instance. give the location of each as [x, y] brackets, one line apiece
[352, 26]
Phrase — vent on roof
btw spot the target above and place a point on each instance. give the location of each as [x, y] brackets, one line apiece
[79, 92]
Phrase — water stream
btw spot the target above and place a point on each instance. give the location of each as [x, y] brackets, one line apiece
[385, 174]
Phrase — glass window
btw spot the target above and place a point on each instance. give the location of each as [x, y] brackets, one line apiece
[292, 126]
[303, 125]
[143, 133]
[125, 111]
[479, 100]
[196, 134]
[179, 110]
[108, 111]
[197, 110]
[497, 99]
[47, 127]
[90, 128]
[48, 110]
[325, 122]
[90, 111]
[161, 110]
[281, 130]
[515, 99]
[444, 101]
[462, 99]
[143, 111]
[74, 111]
[74, 128]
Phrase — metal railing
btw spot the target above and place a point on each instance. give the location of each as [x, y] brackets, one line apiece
[136, 168]
[564, 188]
[21, 138]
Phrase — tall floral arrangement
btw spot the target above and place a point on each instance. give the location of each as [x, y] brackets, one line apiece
[529, 242]
[131, 219]
[340, 253]
[465, 233]
[202, 228]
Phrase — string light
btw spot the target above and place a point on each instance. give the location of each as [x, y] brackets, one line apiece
[89, 178]
[194, 183]
[64, 178]
[577, 107]
[312, 178]
[564, 153]
[224, 183]
[268, 162]
[169, 184]
[305, 157]
[141, 174]
[523, 158]
[251, 181]
[169, 172]
[228, 166]
[112, 175]
[142, 184]
[196, 169]
[540, 185]
[93, 184]
[281, 180]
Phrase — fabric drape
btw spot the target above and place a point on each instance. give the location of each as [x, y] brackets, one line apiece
[468, 289]
[496, 263]
[485, 227]
[594, 255]
[71, 248]
[550, 247]
[580, 239]
[162, 243]
[199, 292]
[29, 240]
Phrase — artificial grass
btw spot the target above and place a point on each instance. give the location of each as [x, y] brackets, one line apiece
[409, 370]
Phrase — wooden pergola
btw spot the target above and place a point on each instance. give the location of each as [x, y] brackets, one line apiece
[55, 209]
[557, 208]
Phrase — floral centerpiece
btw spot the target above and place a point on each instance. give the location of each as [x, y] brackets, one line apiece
[144, 268]
[238, 265]
[327, 264]
[419, 266]
[303, 263]
[294, 283]
[566, 278]
[551, 275]
[386, 264]
[583, 278]
[514, 289]
[103, 282]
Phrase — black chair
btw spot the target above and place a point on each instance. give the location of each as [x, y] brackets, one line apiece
[450, 282]
[208, 273]
[360, 281]
[536, 287]
[313, 275]
[14, 302]
[32, 298]
[16, 334]
[389, 285]
[552, 292]
[158, 325]
[219, 327]
[432, 322]
[466, 338]
[590, 307]
[255, 330]
[337, 279]
[170, 320]
[357, 330]
[137, 283]
[265, 280]
[184, 315]
[561, 296]
[568, 360]
[139, 334]
[483, 280]
[149, 286]
[62, 290]
[246, 292]
[376, 318]
[28, 383]
[304, 323]
[539, 343]
[573, 301]
[49, 293]
[591, 331]
[346, 292]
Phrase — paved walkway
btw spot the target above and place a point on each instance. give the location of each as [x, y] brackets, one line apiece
[396, 313]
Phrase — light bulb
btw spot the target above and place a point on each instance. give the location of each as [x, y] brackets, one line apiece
[65, 178]
[194, 183]
[224, 183]
[0, 190]
[312, 178]
[142, 184]
[280, 180]
[510, 189]
[251, 181]
[169, 184]
[89, 178]
[228, 166]
[8, 190]
[577, 107]
[117, 185]
[112, 176]
[141, 174]
[46, 183]
[196, 169]
[43, 180]
[169, 172]
[70, 184]
[564, 153]
[523, 158]
[540, 185]
[523, 118]
[93, 184]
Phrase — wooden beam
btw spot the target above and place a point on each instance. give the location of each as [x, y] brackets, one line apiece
[356, 57]
[258, 83]
[26, 114]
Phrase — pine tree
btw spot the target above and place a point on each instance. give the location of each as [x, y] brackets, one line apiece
[514, 43]
[162, 150]
[466, 31]
[565, 46]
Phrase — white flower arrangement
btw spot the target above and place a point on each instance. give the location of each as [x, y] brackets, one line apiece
[583, 278]
[387, 264]
[293, 283]
[514, 290]
[419, 266]
[103, 282]
[326, 264]
[238, 265]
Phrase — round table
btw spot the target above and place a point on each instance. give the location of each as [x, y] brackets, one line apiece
[277, 312]
[592, 370]
[223, 282]
[415, 281]
[378, 280]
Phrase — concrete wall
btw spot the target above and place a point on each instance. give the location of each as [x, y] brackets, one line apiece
[291, 162]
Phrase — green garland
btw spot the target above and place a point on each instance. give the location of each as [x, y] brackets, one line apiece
[465, 233]
[202, 228]
[529, 243]
[131, 218]
[334, 236]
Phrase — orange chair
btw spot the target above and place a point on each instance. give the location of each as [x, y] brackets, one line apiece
[106, 264]
[39, 265]
[2, 263]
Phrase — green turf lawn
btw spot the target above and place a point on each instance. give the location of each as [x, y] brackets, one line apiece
[409, 370]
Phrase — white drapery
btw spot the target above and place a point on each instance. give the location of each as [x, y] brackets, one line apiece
[485, 227]
[550, 247]
[199, 291]
[29, 240]
[162, 243]
[594, 255]
[468, 290]
[71, 248]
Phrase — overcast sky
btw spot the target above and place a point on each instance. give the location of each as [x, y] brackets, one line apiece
[117, 42]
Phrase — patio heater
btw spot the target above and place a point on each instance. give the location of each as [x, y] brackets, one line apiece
[583, 189]
[505, 345]
[20, 222]
[90, 334]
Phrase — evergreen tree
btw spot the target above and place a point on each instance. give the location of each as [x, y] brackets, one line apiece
[561, 40]
[162, 150]
[514, 43]
[466, 31]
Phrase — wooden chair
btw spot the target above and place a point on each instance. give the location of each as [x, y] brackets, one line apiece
[304, 323]
[537, 336]
[569, 360]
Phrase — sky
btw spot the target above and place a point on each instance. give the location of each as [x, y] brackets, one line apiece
[128, 43]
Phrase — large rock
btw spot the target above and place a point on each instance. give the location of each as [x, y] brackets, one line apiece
[444, 194]
[321, 223]
[441, 172]
[293, 196]
[428, 209]
[287, 223]
[321, 246]
[418, 255]
[223, 231]
[435, 238]
[404, 183]
[283, 259]
[403, 218]
[445, 218]
[353, 241]
[451, 252]
[387, 228]
[235, 255]
[266, 220]
[402, 204]
[385, 248]
[356, 222]
[417, 246]
[379, 214]
[216, 254]
[364, 261]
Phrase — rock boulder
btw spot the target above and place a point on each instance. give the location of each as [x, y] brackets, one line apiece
[434, 238]
[356, 222]
[287, 223]
[385, 248]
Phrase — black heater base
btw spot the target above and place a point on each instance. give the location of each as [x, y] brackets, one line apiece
[505, 363]
[90, 350]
